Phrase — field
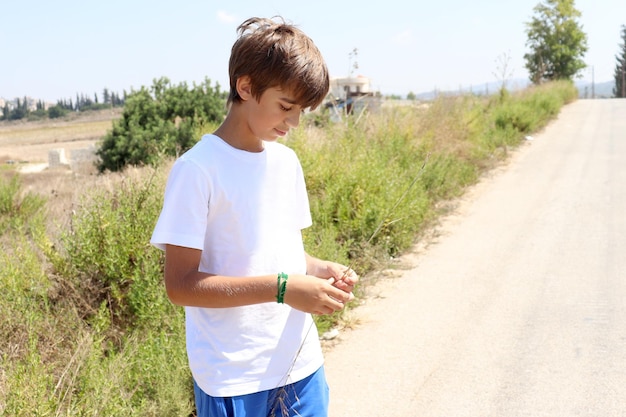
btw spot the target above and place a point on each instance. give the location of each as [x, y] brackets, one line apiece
[24, 147]
[28, 143]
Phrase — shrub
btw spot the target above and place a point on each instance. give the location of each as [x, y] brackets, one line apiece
[109, 257]
[18, 211]
[57, 111]
[159, 122]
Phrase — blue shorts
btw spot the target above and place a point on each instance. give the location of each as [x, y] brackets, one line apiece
[306, 398]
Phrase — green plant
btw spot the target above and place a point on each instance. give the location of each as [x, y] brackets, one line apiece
[18, 210]
[160, 121]
[109, 256]
[57, 111]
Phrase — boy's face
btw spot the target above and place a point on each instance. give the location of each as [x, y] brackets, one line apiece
[273, 114]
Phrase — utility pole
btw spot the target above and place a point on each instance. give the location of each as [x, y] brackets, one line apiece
[593, 83]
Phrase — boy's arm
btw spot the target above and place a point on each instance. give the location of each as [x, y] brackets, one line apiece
[187, 286]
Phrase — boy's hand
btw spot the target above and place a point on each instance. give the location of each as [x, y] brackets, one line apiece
[346, 279]
[317, 296]
[338, 275]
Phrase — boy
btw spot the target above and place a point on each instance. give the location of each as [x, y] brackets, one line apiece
[231, 225]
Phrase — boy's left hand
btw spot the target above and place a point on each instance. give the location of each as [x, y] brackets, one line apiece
[340, 276]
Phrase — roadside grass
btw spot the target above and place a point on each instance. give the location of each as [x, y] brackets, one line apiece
[86, 326]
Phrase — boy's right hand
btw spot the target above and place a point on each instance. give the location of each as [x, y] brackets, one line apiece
[314, 295]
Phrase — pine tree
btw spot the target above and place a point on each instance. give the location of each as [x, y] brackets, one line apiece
[619, 90]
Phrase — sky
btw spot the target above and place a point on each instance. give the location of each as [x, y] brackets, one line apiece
[51, 50]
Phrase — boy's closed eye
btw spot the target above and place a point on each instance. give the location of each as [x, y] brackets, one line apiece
[288, 109]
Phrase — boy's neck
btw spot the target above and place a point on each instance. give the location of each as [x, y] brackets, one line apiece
[236, 134]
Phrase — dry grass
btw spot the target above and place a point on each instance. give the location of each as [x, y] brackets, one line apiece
[65, 190]
[30, 141]
[52, 132]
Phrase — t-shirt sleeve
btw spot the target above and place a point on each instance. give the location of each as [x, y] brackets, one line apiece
[183, 218]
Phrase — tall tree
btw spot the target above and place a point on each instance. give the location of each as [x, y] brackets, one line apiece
[556, 40]
[620, 68]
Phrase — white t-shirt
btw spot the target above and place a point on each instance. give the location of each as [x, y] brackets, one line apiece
[245, 211]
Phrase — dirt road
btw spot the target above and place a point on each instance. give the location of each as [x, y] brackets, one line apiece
[519, 307]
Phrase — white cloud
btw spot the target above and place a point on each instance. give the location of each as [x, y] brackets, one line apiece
[225, 17]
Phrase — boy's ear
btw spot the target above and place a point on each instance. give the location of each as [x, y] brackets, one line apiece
[244, 87]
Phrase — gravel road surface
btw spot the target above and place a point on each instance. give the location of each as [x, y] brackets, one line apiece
[519, 306]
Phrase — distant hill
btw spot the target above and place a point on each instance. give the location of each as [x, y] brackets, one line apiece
[585, 89]
[600, 90]
[479, 89]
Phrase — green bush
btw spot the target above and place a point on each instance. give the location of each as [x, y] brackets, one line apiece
[371, 195]
[109, 256]
[57, 111]
[18, 211]
[96, 335]
[504, 120]
[535, 107]
[160, 121]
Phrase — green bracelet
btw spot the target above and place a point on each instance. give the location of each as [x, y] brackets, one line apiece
[282, 287]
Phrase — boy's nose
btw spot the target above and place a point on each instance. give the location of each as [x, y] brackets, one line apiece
[293, 120]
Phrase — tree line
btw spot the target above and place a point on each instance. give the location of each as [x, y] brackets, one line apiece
[23, 108]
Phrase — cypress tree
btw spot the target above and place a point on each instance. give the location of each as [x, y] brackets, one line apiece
[619, 90]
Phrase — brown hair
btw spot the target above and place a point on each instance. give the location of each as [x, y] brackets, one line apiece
[276, 54]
